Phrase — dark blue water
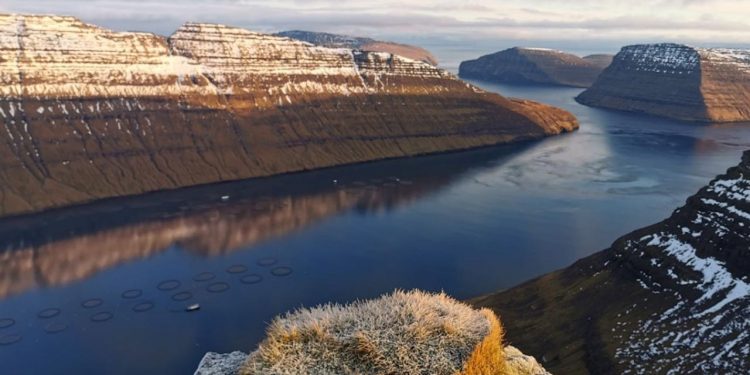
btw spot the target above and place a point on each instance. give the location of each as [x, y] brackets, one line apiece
[466, 223]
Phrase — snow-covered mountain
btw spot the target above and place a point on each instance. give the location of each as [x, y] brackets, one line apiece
[88, 113]
[672, 298]
[360, 43]
[678, 81]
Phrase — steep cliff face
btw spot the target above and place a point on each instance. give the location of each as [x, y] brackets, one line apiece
[535, 65]
[88, 113]
[670, 298]
[678, 81]
[364, 44]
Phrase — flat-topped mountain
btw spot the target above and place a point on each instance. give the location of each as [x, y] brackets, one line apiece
[360, 43]
[88, 113]
[677, 81]
[673, 297]
[535, 66]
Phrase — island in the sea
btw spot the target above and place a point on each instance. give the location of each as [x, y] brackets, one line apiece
[676, 81]
[520, 65]
[88, 113]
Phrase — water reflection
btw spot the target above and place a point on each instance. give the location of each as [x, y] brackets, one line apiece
[467, 224]
[617, 153]
[60, 247]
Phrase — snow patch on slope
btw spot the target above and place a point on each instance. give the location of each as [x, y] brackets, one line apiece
[62, 57]
[738, 58]
[665, 58]
[716, 278]
[707, 330]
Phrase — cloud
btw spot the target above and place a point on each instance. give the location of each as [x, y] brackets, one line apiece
[707, 22]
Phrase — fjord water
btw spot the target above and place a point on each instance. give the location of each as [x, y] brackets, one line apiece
[103, 288]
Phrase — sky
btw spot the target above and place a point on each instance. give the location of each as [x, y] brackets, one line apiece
[451, 29]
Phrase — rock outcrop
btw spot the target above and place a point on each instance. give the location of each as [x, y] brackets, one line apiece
[676, 81]
[519, 363]
[401, 333]
[535, 66]
[221, 363]
[88, 113]
[673, 297]
[360, 43]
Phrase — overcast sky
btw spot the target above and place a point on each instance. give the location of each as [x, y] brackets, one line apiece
[588, 25]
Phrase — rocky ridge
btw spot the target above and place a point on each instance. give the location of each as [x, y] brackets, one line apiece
[88, 113]
[360, 43]
[536, 66]
[677, 81]
[670, 298]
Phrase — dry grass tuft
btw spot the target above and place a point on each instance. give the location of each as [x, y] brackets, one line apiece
[400, 333]
[488, 357]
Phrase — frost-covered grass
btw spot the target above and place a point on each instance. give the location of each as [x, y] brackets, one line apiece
[400, 333]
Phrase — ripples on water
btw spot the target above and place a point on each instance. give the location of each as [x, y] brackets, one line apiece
[106, 286]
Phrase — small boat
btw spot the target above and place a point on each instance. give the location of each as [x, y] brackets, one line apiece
[193, 307]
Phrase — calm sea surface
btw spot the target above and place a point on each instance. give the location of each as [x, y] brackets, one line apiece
[103, 288]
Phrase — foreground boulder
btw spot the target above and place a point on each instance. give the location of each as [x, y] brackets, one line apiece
[87, 113]
[401, 333]
[671, 298]
[364, 44]
[536, 66]
[676, 81]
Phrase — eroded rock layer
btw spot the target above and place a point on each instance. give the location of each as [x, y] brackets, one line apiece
[535, 66]
[670, 298]
[677, 81]
[88, 113]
